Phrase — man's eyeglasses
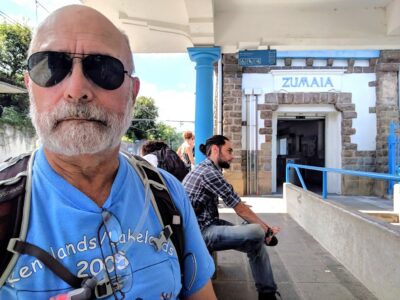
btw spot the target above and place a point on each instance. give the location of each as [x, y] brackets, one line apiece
[116, 264]
[49, 68]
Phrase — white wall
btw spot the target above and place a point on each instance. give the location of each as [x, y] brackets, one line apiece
[364, 97]
[14, 142]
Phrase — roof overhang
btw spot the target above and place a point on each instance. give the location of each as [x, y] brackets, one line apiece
[164, 26]
[6, 88]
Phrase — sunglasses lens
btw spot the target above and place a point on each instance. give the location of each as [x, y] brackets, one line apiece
[105, 71]
[48, 68]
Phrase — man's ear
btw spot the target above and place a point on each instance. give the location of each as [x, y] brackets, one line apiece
[27, 79]
[135, 88]
[214, 149]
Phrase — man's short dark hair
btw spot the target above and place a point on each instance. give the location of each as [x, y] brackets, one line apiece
[218, 140]
[152, 146]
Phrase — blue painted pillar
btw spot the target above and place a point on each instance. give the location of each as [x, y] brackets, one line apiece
[203, 124]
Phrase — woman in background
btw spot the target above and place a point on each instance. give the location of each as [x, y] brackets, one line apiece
[185, 151]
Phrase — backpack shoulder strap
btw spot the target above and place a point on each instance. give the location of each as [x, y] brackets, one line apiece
[15, 205]
[165, 208]
[15, 195]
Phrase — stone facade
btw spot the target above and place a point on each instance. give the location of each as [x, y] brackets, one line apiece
[232, 120]
[387, 110]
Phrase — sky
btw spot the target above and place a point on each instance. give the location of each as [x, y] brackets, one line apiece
[167, 78]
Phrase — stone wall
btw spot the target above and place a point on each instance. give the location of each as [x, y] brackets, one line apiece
[232, 120]
[14, 141]
[387, 109]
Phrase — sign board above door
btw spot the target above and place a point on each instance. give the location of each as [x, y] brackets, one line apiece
[257, 58]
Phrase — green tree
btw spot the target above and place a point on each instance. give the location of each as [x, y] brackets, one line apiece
[144, 119]
[167, 134]
[145, 126]
[14, 44]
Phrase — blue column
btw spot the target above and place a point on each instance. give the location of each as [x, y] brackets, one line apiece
[203, 124]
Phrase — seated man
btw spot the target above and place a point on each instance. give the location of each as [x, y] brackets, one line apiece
[204, 185]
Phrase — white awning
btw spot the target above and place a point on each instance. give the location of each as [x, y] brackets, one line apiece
[171, 26]
[6, 88]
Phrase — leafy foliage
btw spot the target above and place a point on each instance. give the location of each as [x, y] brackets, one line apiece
[168, 134]
[145, 127]
[14, 44]
[144, 119]
[16, 119]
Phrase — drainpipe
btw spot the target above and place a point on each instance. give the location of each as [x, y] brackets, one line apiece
[248, 140]
[219, 99]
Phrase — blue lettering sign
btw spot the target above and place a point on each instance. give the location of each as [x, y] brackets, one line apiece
[304, 81]
[328, 81]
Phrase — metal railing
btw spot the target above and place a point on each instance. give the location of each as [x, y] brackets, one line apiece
[324, 171]
[393, 153]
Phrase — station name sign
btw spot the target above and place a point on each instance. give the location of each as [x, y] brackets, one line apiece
[257, 58]
[307, 82]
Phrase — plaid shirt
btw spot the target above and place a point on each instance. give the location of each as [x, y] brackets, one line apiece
[204, 185]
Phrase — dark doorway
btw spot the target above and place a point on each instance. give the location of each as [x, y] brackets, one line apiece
[301, 141]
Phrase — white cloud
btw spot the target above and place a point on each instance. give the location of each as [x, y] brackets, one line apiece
[173, 106]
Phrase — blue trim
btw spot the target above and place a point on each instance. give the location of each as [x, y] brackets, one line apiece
[325, 54]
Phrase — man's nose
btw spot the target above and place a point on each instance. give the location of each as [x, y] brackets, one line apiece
[78, 87]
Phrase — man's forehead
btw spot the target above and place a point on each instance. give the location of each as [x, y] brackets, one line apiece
[66, 39]
[81, 42]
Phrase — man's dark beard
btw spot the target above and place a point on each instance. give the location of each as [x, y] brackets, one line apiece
[223, 164]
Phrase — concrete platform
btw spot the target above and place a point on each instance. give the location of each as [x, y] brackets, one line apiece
[302, 268]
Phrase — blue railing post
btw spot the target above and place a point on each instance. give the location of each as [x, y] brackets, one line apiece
[391, 155]
[324, 185]
[303, 184]
[287, 173]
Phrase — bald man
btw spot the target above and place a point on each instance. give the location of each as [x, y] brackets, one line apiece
[88, 205]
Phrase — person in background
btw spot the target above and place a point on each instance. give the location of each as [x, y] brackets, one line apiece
[204, 186]
[185, 151]
[88, 204]
[148, 151]
[160, 155]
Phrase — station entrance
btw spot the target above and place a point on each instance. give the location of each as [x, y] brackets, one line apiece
[300, 140]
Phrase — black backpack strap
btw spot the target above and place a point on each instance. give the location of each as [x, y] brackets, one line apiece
[21, 247]
[15, 198]
[165, 208]
[14, 207]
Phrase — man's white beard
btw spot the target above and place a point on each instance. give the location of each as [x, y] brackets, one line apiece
[79, 137]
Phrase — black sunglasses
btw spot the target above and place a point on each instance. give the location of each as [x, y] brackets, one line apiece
[49, 68]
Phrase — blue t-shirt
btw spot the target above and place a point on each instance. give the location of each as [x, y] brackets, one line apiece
[65, 223]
